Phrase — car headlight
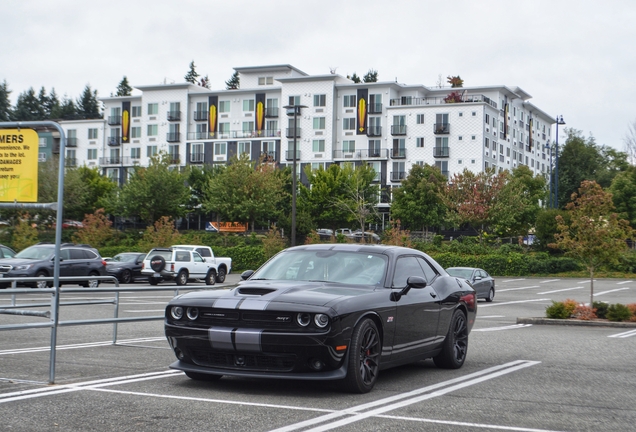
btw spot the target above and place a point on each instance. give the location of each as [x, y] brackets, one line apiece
[303, 319]
[176, 312]
[321, 320]
[192, 313]
[23, 267]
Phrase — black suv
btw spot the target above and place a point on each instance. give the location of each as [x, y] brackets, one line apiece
[37, 261]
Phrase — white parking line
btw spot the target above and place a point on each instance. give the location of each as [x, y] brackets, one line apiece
[147, 310]
[610, 291]
[456, 423]
[517, 289]
[559, 290]
[624, 282]
[512, 280]
[549, 280]
[510, 327]
[491, 316]
[626, 334]
[82, 345]
[512, 302]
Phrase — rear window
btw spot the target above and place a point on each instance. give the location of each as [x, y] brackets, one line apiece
[165, 254]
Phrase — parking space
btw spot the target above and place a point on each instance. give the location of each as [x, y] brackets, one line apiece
[516, 377]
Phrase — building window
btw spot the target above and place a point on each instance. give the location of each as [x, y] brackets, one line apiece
[419, 142]
[135, 111]
[224, 129]
[318, 146]
[348, 146]
[442, 166]
[459, 161]
[248, 128]
[349, 101]
[294, 100]
[224, 106]
[487, 142]
[474, 113]
[151, 151]
[349, 123]
[248, 105]
[135, 132]
[472, 161]
[266, 80]
[135, 153]
[153, 130]
[473, 137]
[92, 134]
[487, 119]
[244, 147]
[420, 119]
[320, 100]
[461, 114]
[317, 165]
[319, 123]
[91, 154]
[220, 148]
[460, 138]
[153, 108]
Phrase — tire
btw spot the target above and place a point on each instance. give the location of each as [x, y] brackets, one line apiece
[182, 278]
[364, 358]
[153, 280]
[455, 345]
[210, 278]
[202, 376]
[157, 263]
[491, 295]
[91, 283]
[125, 277]
[42, 284]
[220, 276]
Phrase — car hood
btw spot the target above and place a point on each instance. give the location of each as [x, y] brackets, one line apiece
[263, 293]
[20, 261]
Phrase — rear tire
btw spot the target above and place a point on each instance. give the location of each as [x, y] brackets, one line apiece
[455, 345]
[491, 295]
[364, 358]
[202, 376]
[154, 280]
[220, 277]
[125, 277]
[182, 278]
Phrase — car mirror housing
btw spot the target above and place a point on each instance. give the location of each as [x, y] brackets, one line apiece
[416, 282]
[246, 274]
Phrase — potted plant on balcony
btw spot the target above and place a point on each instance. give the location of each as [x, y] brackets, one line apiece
[453, 97]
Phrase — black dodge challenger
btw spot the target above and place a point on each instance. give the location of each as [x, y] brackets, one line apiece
[325, 312]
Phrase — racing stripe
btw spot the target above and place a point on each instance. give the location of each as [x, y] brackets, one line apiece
[253, 304]
[227, 303]
[248, 339]
[221, 338]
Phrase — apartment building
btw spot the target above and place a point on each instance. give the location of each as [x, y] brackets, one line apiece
[389, 125]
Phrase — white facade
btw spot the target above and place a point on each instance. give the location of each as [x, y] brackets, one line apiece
[396, 127]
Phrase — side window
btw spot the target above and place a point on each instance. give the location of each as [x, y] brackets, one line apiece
[182, 256]
[77, 254]
[7, 253]
[204, 252]
[404, 268]
[428, 270]
[64, 254]
[197, 257]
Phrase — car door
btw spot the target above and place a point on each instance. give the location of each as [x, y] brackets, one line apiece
[66, 263]
[199, 266]
[138, 265]
[417, 312]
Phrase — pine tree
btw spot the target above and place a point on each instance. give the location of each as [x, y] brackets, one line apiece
[5, 103]
[27, 107]
[124, 89]
[192, 74]
[53, 108]
[234, 82]
[371, 76]
[68, 110]
[355, 78]
[87, 104]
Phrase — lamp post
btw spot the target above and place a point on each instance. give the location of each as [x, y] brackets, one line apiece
[559, 121]
[294, 110]
[549, 148]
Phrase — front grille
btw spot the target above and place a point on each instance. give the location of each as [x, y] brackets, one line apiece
[235, 318]
[5, 268]
[256, 362]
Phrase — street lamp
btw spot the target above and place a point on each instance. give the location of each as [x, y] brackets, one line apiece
[548, 147]
[559, 121]
[294, 110]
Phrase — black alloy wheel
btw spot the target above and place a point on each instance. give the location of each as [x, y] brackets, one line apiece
[125, 276]
[455, 346]
[364, 358]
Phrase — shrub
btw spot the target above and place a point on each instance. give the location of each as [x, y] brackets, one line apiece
[632, 309]
[583, 312]
[618, 312]
[601, 309]
[273, 242]
[561, 310]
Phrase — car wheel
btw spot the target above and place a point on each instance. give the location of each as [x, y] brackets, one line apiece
[91, 283]
[364, 358]
[182, 278]
[153, 280]
[456, 344]
[220, 277]
[202, 376]
[210, 278]
[157, 263]
[43, 283]
[491, 295]
[125, 277]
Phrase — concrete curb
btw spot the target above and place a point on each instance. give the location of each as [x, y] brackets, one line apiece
[575, 322]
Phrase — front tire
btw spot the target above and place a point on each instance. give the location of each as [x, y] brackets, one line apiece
[210, 278]
[455, 345]
[364, 358]
[182, 278]
[202, 376]
[42, 284]
[125, 277]
[220, 277]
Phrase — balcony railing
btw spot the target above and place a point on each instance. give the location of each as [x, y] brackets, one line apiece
[398, 129]
[173, 137]
[196, 157]
[346, 154]
[117, 160]
[398, 153]
[441, 128]
[440, 152]
[374, 154]
[271, 112]
[114, 120]
[269, 156]
[70, 162]
[198, 135]
[375, 108]
[398, 175]
[374, 131]
[289, 133]
[174, 115]
[408, 101]
[289, 155]
[174, 159]
[200, 115]
[114, 141]
[71, 142]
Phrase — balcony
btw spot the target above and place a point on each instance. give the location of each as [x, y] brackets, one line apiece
[374, 131]
[196, 157]
[174, 115]
[174, 159]
[271, 112]
[346, 154]
[270, 133]
[440, 152]
[398, 153]
[114, 141]
[375, 108]
[70, 162]
[198, 135]
[173, 137]
[289, 155]
[71, 142]
[289, 133]
[441, 128]
[114, 120]
[200, 115]
[117, 160]
[398, 129]
[374, 154]
[398, 175]
[268, 156]
[409, 101]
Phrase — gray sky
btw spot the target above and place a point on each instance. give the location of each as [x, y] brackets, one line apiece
[575, 57]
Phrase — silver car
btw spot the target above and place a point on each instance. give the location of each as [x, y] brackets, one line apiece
[481, 281]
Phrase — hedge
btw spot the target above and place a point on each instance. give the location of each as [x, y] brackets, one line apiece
[512, 264]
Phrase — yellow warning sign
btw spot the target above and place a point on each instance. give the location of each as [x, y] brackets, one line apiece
[18, 165]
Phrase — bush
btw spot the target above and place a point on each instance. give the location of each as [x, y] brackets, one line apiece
[601, 309]
[632, 309]
[583, 312]
[618, 312]
[561, 310]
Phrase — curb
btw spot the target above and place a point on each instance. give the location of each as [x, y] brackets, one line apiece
[575, 322]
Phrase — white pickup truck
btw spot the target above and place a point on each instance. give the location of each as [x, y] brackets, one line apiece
[182, 263]
[222, 266]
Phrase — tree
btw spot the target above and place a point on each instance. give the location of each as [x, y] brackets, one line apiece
[595, 235]
[88, 105]
[162, 233]
[124, 89]
[205, 82]
[455, 81]
[360, 195]
[153, 191]
[623, 190]
[52, 106]
[24, 233]
[371, 76]
[96, 229]
[68, 110]
[355, 78]
[192, 74]
[27, 107]
[630, 139]
[546, 227]
[5, 102]
[234, 83]
[418, 203]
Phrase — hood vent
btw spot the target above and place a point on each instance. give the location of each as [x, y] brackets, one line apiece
[255, 291]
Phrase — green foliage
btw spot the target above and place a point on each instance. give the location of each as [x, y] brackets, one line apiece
[192, 74]
[161, 234]
[623, 189]
[96, 230]
[601, 309]
[371, 76]
[561, 310]
[273, 243]
[455, 81]
[243, 257]
[88, 105]
[5, 102]
[124, 88]
[27, 107]
[355, 78]
[24, 233]
[234, 83]
[618, 312]
[546, 227]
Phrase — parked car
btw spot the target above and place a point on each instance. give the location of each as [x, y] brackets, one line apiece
[324, 233]
[325, 312]
[126, 266]
[179, 265]
[483, 283]
[38, 261]
[222, 266]
[369, 237]
[6, 252]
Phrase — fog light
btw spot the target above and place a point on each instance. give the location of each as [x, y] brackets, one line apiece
[303, 319]
[316, 364]
[179, 353]
[176, 312]
[192, 313]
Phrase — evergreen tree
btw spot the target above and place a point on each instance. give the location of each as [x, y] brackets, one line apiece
[234, 82]
[5, 103]
[88, 105]
[371, 76]
[67, 110]
[124, 89]
[27, 107]
[53, 108]
[192, 74]
[355, 78]
[205, 82]
[43, 99]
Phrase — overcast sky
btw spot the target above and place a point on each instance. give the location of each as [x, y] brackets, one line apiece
[575, 57]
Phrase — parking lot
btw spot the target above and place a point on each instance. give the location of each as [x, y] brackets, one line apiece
[517, 377]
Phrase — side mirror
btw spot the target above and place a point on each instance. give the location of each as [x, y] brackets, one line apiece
[477, 278]
[246, 274]
[416, 282]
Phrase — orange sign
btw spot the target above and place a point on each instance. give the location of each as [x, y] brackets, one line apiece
[230, 226]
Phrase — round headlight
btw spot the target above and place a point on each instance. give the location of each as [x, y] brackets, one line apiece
[192, 313]
[303, 319]
[321, 320]
[176, 312]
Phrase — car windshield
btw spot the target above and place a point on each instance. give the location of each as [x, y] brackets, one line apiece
[459, 272]
[347, 267]
[35, 253]
[124, 258]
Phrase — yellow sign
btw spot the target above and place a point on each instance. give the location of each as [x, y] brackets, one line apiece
[19, 165]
